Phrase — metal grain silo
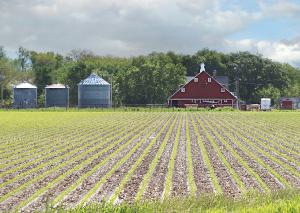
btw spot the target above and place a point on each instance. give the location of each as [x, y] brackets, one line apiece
[94, 92]
[25, 96]
[56, 95]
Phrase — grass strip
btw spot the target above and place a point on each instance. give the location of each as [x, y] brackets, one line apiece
[284, 201]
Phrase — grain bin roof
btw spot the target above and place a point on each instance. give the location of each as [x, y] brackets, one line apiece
[56, 86]
[25, 86]
[93, 79]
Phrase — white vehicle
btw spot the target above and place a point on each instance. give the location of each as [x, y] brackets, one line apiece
[265, 104]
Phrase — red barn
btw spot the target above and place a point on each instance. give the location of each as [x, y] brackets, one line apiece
[203, 91]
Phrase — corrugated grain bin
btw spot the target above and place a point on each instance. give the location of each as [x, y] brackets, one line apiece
[94, 92]
[25, 96]
[56, 95]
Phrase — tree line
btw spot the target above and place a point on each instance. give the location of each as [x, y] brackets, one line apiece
[148, 79]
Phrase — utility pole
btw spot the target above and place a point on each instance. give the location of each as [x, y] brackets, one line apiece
[111, 85]
[237, 87]
[237, 91]
[2, 100]
[2, 88]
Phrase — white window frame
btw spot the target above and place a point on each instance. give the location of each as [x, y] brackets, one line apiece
[209, 80]
[222, 89]
[182, 89]
[196, 80]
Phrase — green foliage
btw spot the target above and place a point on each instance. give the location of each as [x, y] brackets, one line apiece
[43, 66]
[24, 59]
[2, 52]
[287, 201]
[41, 100]
[270, 92]
[153, 78]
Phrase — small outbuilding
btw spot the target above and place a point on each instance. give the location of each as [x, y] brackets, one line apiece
[265, 104]
[94, 91]
[25, 96]
[56, 95]
[290, 103]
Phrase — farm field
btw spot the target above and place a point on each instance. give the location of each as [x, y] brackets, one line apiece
[72, 159]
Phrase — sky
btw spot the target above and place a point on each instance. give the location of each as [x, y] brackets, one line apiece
[134, 27]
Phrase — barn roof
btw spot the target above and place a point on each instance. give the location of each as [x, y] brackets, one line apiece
[56, 86]
[223, 80]
[25, 85]
[93, 79]
[189, 80]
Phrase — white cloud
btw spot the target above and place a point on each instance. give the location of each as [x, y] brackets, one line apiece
[131, 27]
[279, 8]
[281, 51]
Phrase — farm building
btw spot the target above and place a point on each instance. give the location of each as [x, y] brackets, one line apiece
[203, 90]
[56, 95]
[25, 96]
[290, 103]
[94, 92]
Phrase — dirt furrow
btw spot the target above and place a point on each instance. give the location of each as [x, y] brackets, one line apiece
[201, 174]
[9, 187]
[288, 176]
[107, 189]
[158, 178]
[56, 148]
[179, 182]
[74, 196]
[264, 174]
[271, 144]
[229, 187]
[131, 187]
[15, 199]
[249, 181]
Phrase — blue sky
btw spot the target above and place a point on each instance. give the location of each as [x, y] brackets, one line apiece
[133, 27]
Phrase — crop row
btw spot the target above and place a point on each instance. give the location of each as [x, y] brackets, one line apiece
[135, 156]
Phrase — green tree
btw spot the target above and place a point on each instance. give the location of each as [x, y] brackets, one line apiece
[44, 66]
[269, 92]
[24, 56]
[7, 74]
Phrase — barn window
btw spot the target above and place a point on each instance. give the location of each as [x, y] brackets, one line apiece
[209, 80]
[182, 89]
[225, 101]
[195, 79]
[222, 90]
